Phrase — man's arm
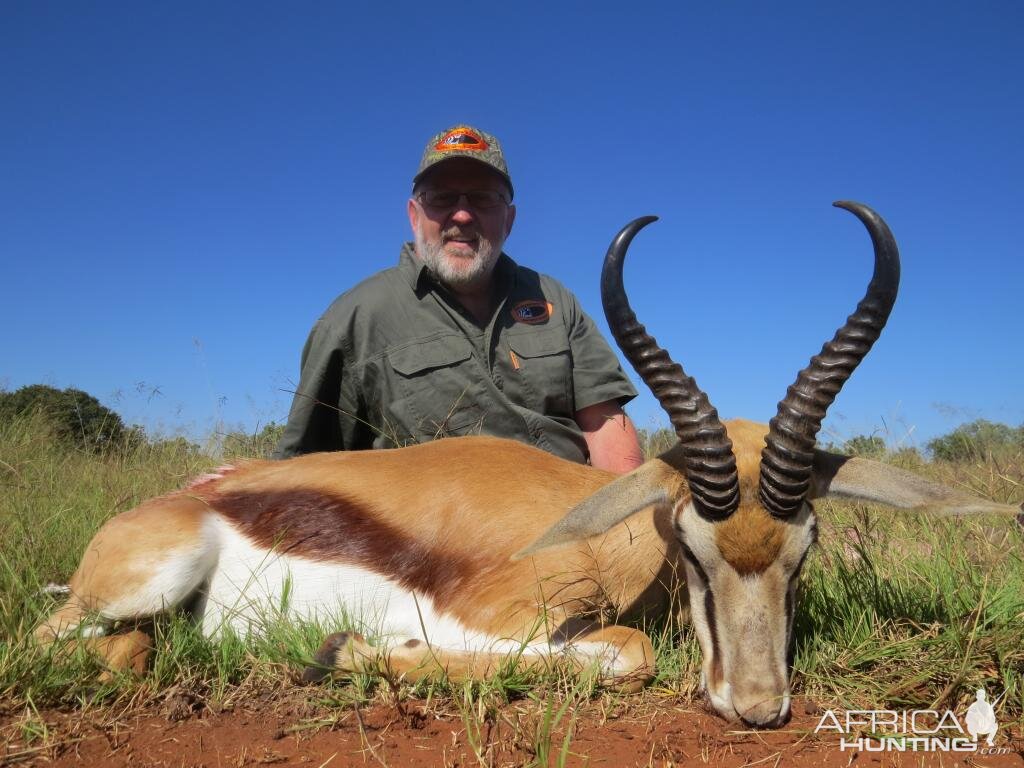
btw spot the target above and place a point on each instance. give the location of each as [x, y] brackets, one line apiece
[601, 388]
[313, 423]
[611, 437]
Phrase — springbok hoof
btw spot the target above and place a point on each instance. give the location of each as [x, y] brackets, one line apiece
[340, 652]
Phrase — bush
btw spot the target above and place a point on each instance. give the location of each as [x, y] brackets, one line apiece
[256, 445]
[871, 447]
[978, 440]
[78, 418]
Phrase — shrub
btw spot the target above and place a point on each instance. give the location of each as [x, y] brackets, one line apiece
[78, 418]
[256, 445]
[872, 447]
[978, 440]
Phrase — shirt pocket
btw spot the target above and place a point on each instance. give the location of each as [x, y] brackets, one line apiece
[542, 370]
[436, 389]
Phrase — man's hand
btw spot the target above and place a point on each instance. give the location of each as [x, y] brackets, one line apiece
[611, 437]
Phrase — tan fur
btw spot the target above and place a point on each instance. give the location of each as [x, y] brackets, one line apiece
[127, 652]
[118, 558]
[482, 520]
[750, 539]
[747, 443]
[477, 518]
[114, 566]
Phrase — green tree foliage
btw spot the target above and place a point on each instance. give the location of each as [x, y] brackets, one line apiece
[868, 446]
[907, 458]
[978, 440]
[78, 418]
[256, 445]
[176, 445]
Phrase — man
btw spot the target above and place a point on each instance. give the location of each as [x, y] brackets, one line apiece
[458, 339]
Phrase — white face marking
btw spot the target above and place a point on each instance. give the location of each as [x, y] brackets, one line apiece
[742, 621]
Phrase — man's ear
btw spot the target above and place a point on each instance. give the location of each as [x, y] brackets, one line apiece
[652, 483]
[414, 216]
[510, 217]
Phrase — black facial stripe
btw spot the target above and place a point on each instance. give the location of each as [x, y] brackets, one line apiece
[800, 565]
[709, 615]
[688, 554]
[790, 644]
[790, 606]
[789, 611]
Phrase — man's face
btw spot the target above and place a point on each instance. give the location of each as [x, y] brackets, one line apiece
[460, 243]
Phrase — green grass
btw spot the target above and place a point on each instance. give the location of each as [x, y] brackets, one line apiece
[912, 611]
[896, 610]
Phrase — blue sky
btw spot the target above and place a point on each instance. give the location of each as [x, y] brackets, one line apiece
[185, 187]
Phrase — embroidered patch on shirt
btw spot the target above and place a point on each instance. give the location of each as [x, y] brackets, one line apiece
[459, 140]
[532, 311]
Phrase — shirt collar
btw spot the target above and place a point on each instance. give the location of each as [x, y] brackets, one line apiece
[410, 267]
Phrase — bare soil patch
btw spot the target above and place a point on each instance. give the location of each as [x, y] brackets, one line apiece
[286, 730]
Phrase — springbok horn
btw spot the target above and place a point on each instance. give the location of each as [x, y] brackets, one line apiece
[708, 462]
[787, 459]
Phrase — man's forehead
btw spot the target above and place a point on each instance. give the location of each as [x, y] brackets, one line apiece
[460, 171]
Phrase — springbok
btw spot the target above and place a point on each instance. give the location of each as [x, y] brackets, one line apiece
[463, 553]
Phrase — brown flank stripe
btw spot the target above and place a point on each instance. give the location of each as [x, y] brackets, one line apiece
[328, 528]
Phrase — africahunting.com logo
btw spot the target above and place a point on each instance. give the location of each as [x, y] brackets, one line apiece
[917, 730]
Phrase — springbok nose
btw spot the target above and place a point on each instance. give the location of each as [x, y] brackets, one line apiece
[761, 709]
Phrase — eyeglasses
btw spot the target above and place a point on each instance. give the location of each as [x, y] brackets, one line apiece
[443, 199]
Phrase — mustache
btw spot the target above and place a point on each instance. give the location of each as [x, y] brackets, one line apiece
[468, 232]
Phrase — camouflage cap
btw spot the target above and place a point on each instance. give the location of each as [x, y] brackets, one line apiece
[464, 141]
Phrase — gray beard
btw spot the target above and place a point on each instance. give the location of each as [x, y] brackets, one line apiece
[463, 276]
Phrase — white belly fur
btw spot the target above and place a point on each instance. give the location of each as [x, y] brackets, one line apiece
[251, 587]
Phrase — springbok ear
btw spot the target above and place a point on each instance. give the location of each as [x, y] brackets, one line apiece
[855, 478]
[652, 483]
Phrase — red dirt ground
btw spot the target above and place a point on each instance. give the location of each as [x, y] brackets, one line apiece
[288, 731]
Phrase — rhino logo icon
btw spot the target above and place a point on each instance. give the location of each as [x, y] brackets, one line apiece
[981, 719]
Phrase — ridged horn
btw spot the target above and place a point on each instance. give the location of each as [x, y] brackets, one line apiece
[789, 453]
[708, 462]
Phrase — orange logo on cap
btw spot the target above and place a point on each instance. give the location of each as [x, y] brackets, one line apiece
[460, 140]
[532, 311]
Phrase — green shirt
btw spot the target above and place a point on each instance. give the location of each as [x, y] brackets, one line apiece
[397, 360]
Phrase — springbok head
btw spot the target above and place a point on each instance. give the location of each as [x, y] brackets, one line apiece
[743, 516]
[747, 527]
